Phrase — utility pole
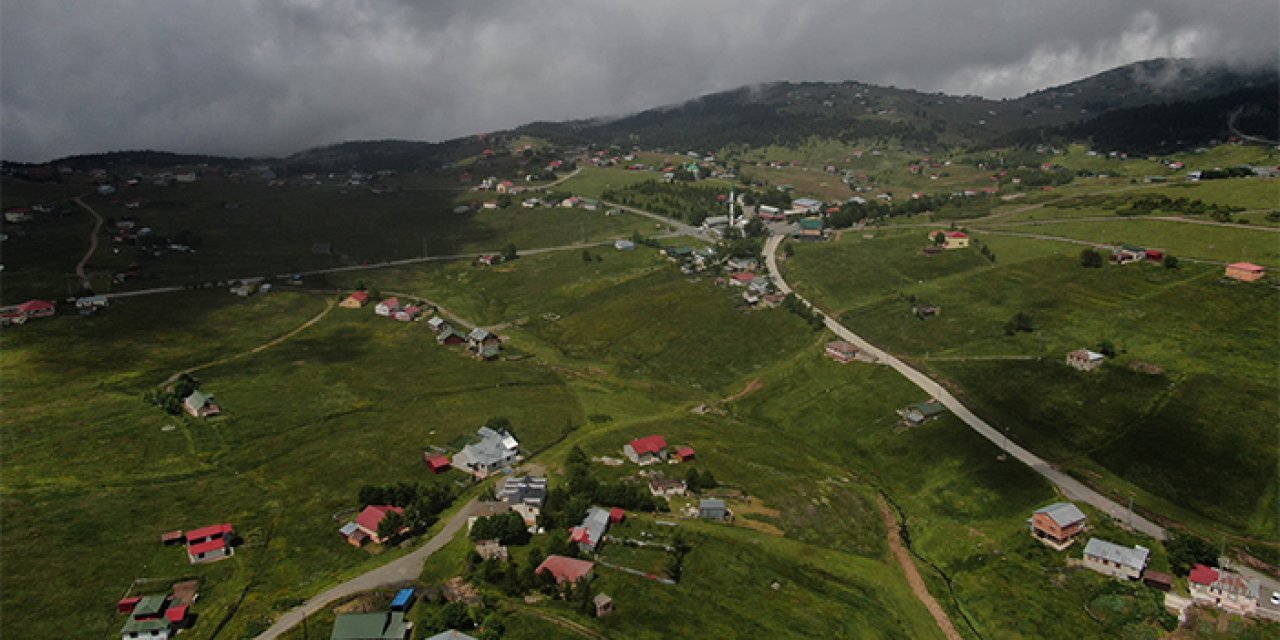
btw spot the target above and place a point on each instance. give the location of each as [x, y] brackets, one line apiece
[1131, 512]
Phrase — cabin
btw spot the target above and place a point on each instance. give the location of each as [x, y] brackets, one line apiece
[712, 509]
[1111, 559]
[1057, 525]
[950, 239]
[1223, 589]
[201, 405]
[647, 450]
[921, 412]
[437, 324]
[566, 569]
[1085, 360]
[842, 351]
[666, 487]
[1127, 253]
[211, 543]
[589, 534]
[1245, 271]
[407, 314]
[384, 625]
[355, 300]
[387, 307]
[37, 309]
[603, 605]
[449, 336]
[370, 519]
[484, 344]
[685, 454]
[150, 617]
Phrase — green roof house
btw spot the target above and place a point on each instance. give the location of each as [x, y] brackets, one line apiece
[386, 625]
[922, 412]
[200, 404]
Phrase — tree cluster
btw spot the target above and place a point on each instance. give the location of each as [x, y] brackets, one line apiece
[506, 528]
[422, 504]
[804, 310]
[568, 503]
[698, 482]
[1186, 550]
[1091, 259]
[170, 398]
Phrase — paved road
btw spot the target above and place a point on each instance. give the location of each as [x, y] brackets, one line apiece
[397, 571]
[1075, 241]
[1267, 585]
[93, 242]
[1209, 223]
[681, 228]
[1074, 489]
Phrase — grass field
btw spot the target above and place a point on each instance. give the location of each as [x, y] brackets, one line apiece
[40, 256]
[1224, 244]
[1205, 334]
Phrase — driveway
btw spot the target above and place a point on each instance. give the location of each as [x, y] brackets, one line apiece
[397, 571]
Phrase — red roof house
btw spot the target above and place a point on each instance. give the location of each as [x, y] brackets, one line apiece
[438, 463]
[210, 550]
[372, 516]
[211, 532]
[1245, 271]
[617, 515]
[37, 308]
[1201, 574]
[646, 450]
[176, 614]
[685, 454]
[355, 300]
[126, 605]
[566, 569]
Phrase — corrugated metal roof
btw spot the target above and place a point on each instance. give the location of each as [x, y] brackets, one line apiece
[1135, 558]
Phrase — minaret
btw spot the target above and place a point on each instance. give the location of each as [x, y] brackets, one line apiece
[730, 207]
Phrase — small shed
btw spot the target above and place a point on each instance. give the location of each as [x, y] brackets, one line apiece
[403, 601]
[604, 605]
[438, 463]
[617, 515]
[685, 454]
[173, 537]
[1157, 580]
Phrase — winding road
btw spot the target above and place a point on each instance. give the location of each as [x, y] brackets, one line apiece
[397, 571]
[1072, 488]
[93, 242]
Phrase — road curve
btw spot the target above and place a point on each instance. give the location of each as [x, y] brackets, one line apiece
[397, 571]
[93, 242]
[1074, 489]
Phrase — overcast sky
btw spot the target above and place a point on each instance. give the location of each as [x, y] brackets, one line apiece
[264, 77]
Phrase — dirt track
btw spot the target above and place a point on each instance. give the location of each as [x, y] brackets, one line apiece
[913, 576]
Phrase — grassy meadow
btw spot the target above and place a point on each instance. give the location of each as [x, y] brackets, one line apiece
[1213, 395]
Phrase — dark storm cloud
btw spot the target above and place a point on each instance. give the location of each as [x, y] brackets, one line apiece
[251, 77]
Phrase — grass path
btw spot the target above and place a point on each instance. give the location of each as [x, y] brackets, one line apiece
[329, 306]
[93, 242]
[913, 575]
[565, 623]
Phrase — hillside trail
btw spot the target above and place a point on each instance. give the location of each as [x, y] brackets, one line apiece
[579, 629]
[329, 306]
[93, 241]
[913, 575]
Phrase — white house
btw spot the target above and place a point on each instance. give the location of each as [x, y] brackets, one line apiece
[387, 307]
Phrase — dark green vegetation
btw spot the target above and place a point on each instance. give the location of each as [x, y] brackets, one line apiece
[1186, 373]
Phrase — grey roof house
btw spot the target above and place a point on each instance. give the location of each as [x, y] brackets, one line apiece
[712, 509]
[1109, 558]
[493, 451]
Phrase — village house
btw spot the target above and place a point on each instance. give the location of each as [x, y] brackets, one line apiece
[449, 336]
[1245, 271]
[407, 314]
[92, 302]
[484, 344]
[842, 351]
[647, 450]
[437, 324]
[1114, 560]
[525, 495]
[17, 215]
[493, 451]
[384, 625]
[201, 405]
[1057, 525]
[355, 300]
[1223, 589]
[154, 617]
[387, 307]
[365, 527]
[951, 239]
[808, 229]
[712, 509]
[37, 309]
[1127, 253]
[921, 412]
[667, 487]
[210, 543]
[589, 534]
[807, 204]
[566, 569]
[1085, 360]
[685, 454]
